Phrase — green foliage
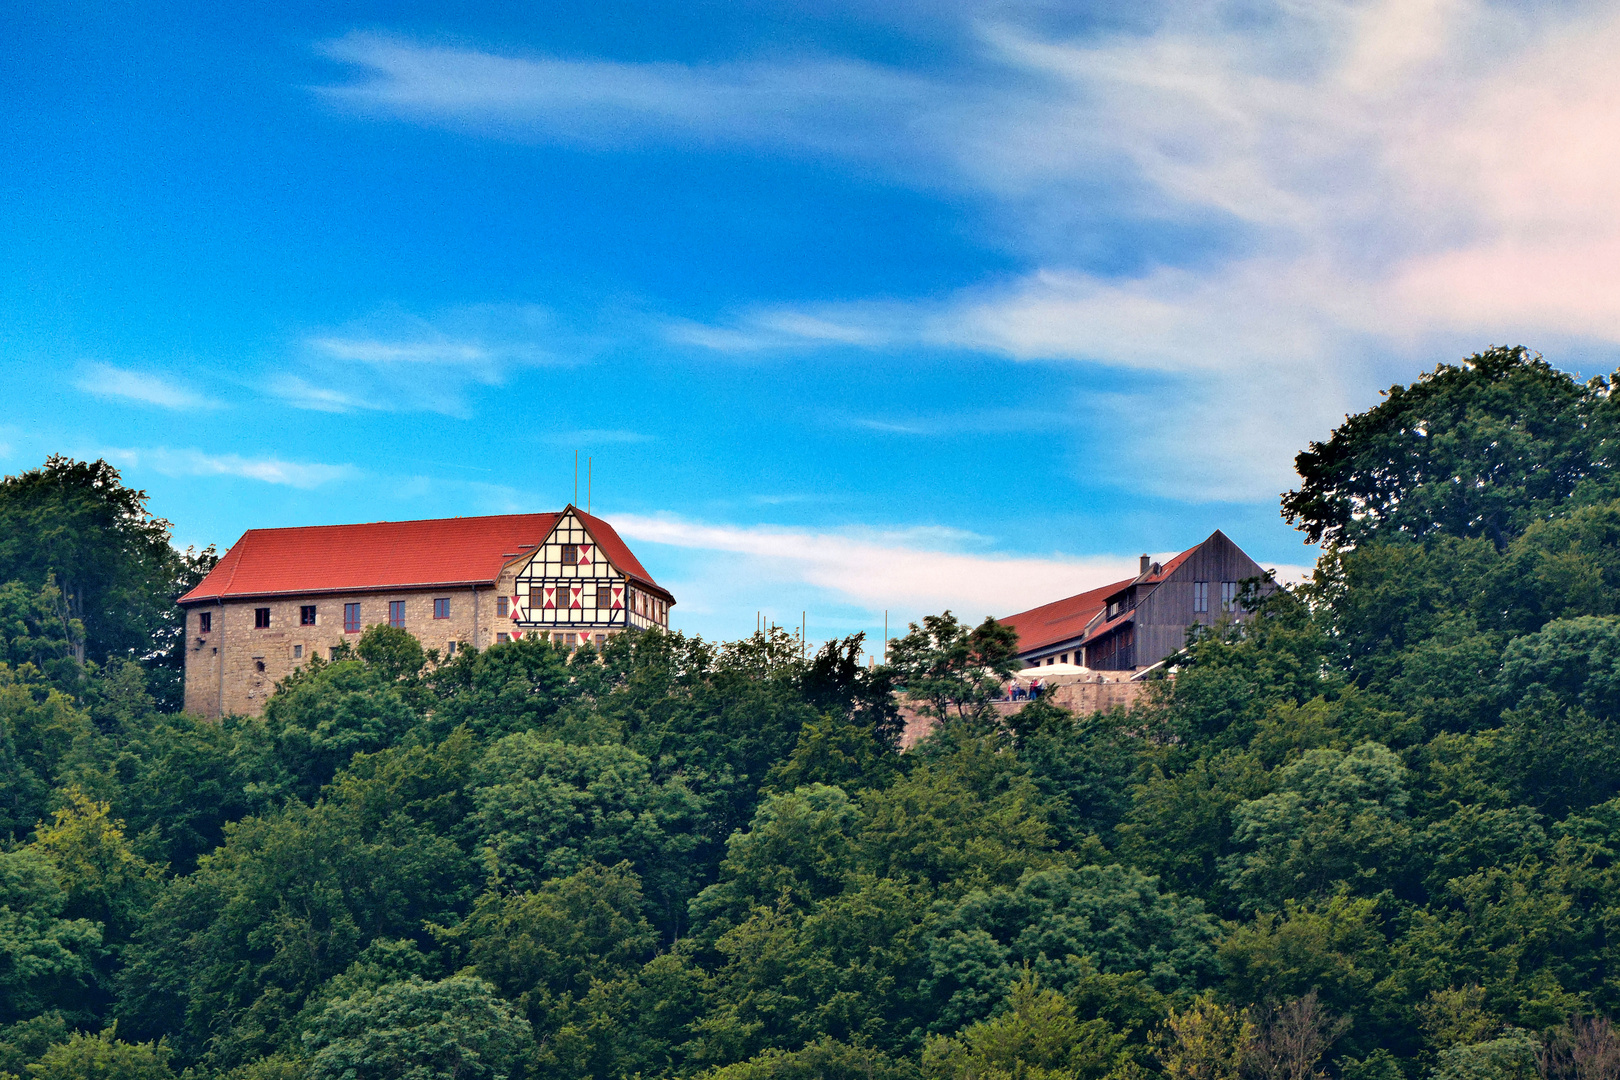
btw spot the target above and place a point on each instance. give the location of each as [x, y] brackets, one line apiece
[46, 961]
[289, 900]
[1207, 1040]
[824, 1059]
[546, 949]
[27, 1040]
[1478, 449]
[945, 665]
[1335, 819]
[325, 713]
[1038, 1037]
[102, 1057]
[1063, 925]
[1511, 1057]
[544, 808]
[34, 626]
[75, 531]
[105, 880]
[454, 1029]
[837, 751]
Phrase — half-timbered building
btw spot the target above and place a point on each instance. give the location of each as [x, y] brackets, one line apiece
[1133, 624]
[281, 596]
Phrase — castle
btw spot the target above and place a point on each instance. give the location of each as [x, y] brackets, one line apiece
[282, 596]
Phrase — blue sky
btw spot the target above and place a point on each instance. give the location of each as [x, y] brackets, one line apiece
[854, 307]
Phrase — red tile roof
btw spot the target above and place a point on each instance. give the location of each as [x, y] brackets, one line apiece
[619, 554]
[1060, 620]
[1065, 620]
[393, 555]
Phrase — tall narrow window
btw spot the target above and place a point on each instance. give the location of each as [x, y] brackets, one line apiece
[261, 618]
[450, 648]
[396, 613]
[500, 607]
[1200, 596]
[306, 615]
[565, 594]
[441, 607]
[351, 618]
[205, 622]
[298, 652]
[1228, 595]
[604, 596]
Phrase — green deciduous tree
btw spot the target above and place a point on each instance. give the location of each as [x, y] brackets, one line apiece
[546, 808]
[46, 961]
[1482, 448]
[1038, 1037]
[1063, 925]
[104, 879]
[102, 1057]
[945, 666]
[1335, 818]
[454, 1029]
[1207, 1040]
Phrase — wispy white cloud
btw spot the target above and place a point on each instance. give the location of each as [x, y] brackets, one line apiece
[104, 380]
[270, 470]
[398, 362]
[820, 103]
[586, 437]
[300, 393]
[1378, 183]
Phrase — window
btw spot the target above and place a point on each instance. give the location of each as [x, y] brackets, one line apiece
[259, 664]
[1200, 596]
[604, 596]
[503, 638]
[306, 615]
[565, 594]
[441, 607]
[568, 639]
[450, 648]
[351, 618]
[601, 639]
[298, 652]
[1050, 660]
[261, 618]
[500, 607]
[570, 555]
[1064, 659]
[396, 613]
[1228, 595]
[205, 622]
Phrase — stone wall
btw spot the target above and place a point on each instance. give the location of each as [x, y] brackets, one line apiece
[255, 658]
[1080, 698]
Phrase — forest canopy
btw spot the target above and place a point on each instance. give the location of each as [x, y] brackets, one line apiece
[1370, 833]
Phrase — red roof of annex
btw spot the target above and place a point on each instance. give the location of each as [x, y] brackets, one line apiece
[437, 552]
[1068, 618]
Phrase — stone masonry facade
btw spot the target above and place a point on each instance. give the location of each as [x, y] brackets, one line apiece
[256, 658]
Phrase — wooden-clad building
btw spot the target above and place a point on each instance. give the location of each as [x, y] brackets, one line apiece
[281, 596]
[1133, 624]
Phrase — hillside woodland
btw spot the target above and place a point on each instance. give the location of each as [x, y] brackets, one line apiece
[1370, 834]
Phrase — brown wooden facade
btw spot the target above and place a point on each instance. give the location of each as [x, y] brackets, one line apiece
[1141, 621]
